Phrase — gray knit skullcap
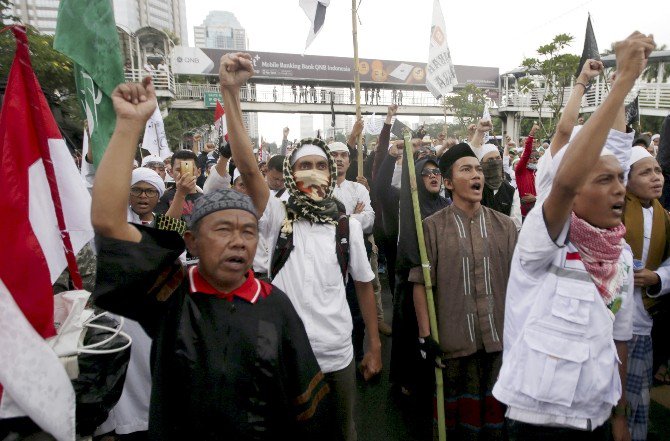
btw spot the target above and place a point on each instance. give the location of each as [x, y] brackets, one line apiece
[218, 200]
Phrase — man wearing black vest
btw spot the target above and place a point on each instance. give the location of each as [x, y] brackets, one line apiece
[498, 194]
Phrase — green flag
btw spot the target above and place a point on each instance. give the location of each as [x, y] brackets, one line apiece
[86, 32]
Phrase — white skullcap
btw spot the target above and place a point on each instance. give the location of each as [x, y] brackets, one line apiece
[149, 176]
[338, 147]
[655, 137]
[637, 153]
[486, 149]
[236, 174]
[150, 158]
[307, 150]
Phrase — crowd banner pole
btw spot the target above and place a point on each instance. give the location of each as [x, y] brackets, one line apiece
[357, 83]
[439, 382]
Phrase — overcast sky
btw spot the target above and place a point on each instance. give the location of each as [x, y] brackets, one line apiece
[483, 33]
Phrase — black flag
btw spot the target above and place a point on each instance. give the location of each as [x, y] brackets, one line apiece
[633, 111]
[590, 47]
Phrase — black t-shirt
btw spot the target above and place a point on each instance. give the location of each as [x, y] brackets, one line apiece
[189, 201]
[221, 369]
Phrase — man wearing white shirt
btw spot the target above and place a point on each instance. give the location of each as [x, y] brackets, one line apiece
[311, 274]
[568, 312]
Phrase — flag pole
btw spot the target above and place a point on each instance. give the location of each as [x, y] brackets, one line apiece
[425, 265]
[357, 83]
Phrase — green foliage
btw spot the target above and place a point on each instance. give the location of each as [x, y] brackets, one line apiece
[54, 70]
[468, 105]
[6, 16]
[556, 69]
[180, 121]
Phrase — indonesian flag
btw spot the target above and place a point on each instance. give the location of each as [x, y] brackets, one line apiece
[220, 121]
[45, 208]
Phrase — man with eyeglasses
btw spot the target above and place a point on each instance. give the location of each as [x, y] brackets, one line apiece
[470, 249]
[146, 187]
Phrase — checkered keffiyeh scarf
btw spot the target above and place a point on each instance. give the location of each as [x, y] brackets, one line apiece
[300, 205]
[600, 250]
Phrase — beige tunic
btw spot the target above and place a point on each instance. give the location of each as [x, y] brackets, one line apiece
[470, 261]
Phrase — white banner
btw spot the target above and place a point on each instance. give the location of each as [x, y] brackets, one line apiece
[154, 136]
[440, 73]
[190, 61]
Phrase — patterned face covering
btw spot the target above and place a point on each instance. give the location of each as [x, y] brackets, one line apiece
[307, 202]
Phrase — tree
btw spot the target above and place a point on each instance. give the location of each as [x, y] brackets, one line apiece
[650, 74]
[555, 69]
[178, 122]
[468, 104]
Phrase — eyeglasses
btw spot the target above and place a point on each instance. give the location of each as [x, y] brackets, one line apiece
[431, 172]
[137, 192]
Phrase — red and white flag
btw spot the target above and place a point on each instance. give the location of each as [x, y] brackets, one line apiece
[220, 121]
[46, 218]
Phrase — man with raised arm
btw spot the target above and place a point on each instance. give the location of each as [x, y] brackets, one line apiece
[306, 260]
[230, 356]
[568, 312]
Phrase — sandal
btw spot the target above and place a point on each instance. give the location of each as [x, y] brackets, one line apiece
[662, 376]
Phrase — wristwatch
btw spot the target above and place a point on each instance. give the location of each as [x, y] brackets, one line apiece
[622, 410]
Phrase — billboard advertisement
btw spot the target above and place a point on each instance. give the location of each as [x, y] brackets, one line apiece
[273, 66]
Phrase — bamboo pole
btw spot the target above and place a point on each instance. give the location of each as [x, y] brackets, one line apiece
[357, 83]
[439, 382]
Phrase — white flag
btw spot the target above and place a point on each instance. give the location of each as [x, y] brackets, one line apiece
[154, 136]
[316, 12]
[441, 76]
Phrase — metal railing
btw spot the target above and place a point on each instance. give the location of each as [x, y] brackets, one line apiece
[163, 80]
[651, 95]
[319, 95]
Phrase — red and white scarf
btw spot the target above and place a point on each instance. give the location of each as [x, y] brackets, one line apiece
[600, 250]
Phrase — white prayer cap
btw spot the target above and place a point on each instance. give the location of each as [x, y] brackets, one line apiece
[236, 174]
[150, 158]
[655, 137]
[307, 150]
[150, 177]
[637, 153]
[486, 149]
[338, 147]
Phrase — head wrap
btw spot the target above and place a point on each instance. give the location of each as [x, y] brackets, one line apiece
[338, 147]
[637, 153]
[486, 149]
[452, 155]
[150, 177]
[150, 158]
[224, 199]
[300, 205]
[306, 150]
[655, 137]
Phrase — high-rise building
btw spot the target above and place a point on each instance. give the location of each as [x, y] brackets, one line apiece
[165, 15]
[220, 30]
[306, 126]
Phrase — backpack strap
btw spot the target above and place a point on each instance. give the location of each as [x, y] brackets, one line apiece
[342, 244]
[280, 192]
[281, 253]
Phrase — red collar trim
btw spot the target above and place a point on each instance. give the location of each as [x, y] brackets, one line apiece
[250, 290]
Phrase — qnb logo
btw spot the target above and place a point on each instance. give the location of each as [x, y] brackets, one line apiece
[188, 60]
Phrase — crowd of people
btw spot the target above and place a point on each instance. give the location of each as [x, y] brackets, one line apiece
[252, 291]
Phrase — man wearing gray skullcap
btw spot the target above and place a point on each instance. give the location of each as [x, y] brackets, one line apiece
[230, 354]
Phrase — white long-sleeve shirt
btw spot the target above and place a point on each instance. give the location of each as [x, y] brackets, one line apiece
[350, 193]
